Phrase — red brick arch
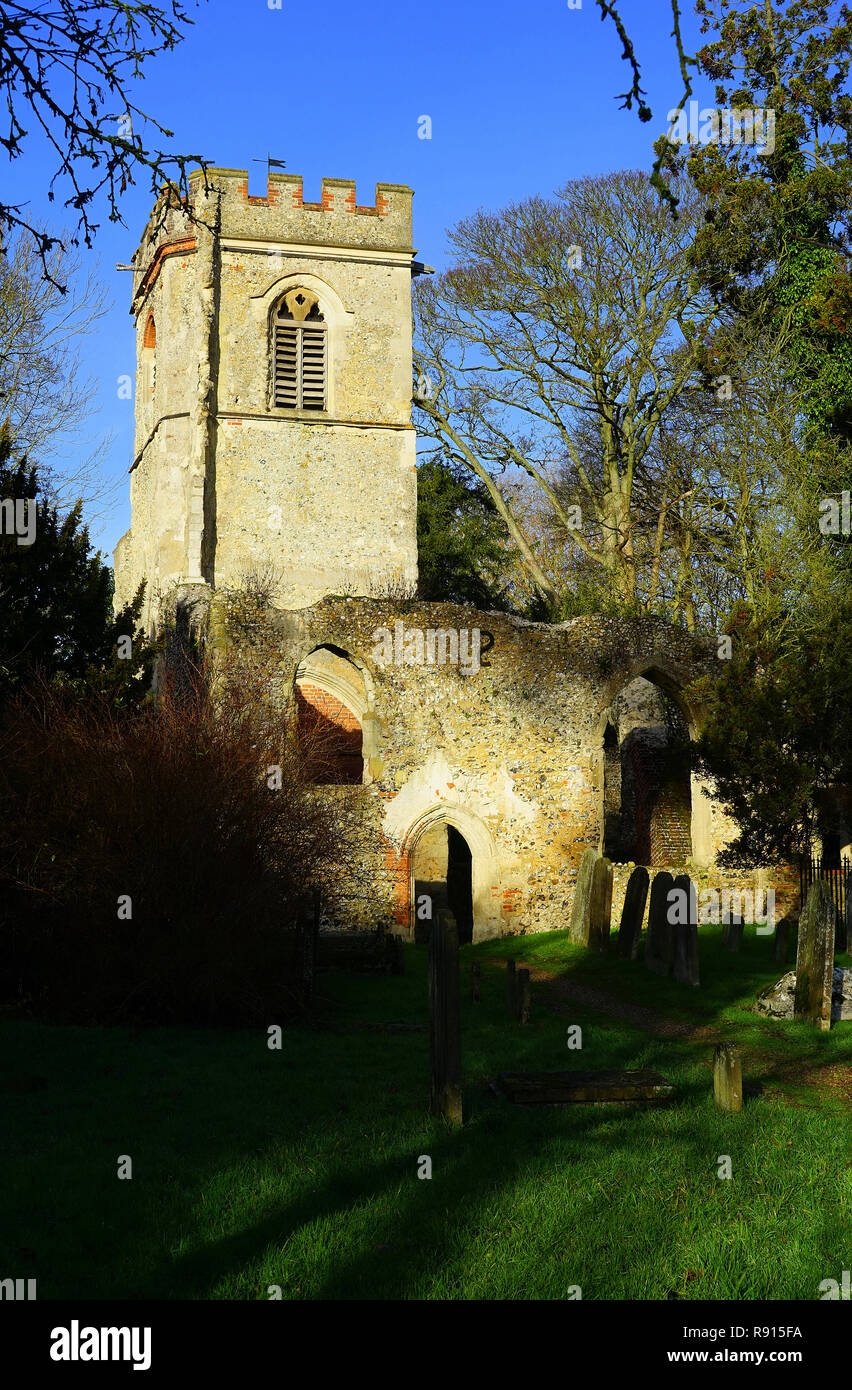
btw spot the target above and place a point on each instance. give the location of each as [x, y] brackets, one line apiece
[336, 733]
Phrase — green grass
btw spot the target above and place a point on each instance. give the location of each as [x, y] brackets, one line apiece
[298, 1167]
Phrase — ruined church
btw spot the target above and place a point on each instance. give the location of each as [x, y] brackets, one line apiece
[482, 753]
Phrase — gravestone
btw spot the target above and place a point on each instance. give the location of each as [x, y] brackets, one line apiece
[600, 906]
[728, 1078]
[778, 1000]
[579, 924]
[815, 957]
[445, 1019]
[782, 939]
[732, 935]
[658, 943]
[632, 913]
[475, 981]
[685, 931]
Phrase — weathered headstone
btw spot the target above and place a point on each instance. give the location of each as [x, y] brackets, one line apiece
[734, 938]
[600, 906]
[684, 911]
[579, 924]
[633, 912]
[475, 975]
[727, 1077]
[445, 1019]
[658, 943]
[815, 957]
[524, 996]
[782, 939]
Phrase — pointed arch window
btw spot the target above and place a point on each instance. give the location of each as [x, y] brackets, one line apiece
[300, 353]
[149, 357]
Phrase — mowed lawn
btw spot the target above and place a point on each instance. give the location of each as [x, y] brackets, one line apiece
[298, 1168]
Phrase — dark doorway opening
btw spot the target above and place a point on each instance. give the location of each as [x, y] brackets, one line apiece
[460, 883]
[443, 878]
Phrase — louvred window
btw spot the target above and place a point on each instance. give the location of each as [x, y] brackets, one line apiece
[300, 354]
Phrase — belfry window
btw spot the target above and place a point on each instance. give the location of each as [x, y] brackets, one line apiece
[299, 353]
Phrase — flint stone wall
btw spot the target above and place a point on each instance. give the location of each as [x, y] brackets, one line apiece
[510, 754]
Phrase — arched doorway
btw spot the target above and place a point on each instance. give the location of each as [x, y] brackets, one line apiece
[442, 871]
[647, 800]
[452, 862]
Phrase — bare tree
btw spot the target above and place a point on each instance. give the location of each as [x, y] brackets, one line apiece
[66, 67]
[43, 391]
[564, 320]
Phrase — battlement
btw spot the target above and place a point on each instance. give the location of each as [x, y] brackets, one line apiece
[282, 213]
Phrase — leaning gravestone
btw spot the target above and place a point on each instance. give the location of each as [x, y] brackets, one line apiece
[579, 925]
[600, 906]
[782, 939]
[658, 944]
[815, 957]
[632, 913]
[684, 911]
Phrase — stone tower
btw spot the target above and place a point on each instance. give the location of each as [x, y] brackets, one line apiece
[273, 393]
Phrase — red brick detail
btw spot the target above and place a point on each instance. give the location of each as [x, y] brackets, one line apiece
[175, 248]
[671, 842]
[272, 195]
[397, 872]
[511, 900]
[338, 734]
[149, 338]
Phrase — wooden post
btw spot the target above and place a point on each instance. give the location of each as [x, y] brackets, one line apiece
[475, 977]
[309, 920]
[511, 988]
[524, 996]
[445, 1019]
[727, 1078]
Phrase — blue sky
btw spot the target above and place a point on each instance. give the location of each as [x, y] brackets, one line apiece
[521, 97]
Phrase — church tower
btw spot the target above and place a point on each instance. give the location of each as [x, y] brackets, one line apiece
[273, 393]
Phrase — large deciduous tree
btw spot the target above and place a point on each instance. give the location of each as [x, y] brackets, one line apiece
[562, 320]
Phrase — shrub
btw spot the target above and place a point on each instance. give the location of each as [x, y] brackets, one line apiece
[167, 813]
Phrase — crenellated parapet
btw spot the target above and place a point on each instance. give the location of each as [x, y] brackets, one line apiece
[283, 214]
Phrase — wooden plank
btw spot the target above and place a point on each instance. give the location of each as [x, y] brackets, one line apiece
[585, 1087]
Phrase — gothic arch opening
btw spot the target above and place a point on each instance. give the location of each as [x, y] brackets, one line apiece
[452, 863]
[647, 794]
[149, 358]
[331, 704]
[442, 871]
